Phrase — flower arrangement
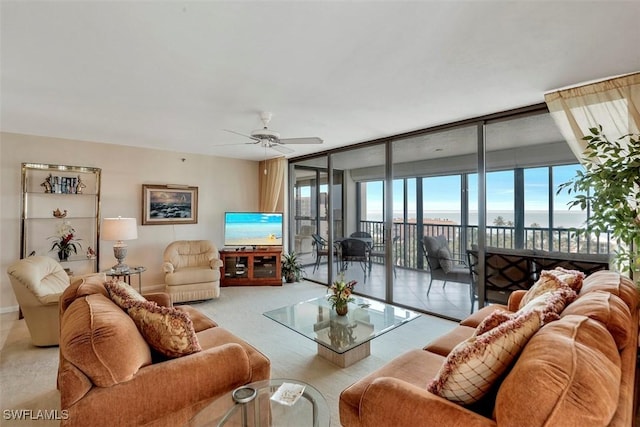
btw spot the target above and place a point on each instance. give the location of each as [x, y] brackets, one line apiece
[64, 241]
[341, 294]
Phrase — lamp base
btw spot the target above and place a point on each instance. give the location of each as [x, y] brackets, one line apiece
[120, 252]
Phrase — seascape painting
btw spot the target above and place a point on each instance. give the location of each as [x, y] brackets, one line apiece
[169, 204]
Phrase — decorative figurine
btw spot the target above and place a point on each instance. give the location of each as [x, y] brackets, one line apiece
[47, 184]
[80, 186]
[91, 254]
[59, 214]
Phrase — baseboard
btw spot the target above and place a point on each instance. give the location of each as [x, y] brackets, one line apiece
[9, 309]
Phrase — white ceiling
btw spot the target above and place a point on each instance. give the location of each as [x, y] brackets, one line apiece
[173, 75]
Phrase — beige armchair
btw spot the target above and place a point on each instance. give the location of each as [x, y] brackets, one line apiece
[38, 282]
[192, 270]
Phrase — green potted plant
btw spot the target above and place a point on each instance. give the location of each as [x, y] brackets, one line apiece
[291, 268]
[610, 187]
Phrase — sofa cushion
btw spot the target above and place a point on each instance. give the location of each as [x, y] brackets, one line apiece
[192, 275]
[607, 309]
[412, 367]
[478, 316]
[447, 342]
[166, 330]
[551, 280]
[614, 283]
[83, 286]
[102, 341]
[474, 365]
[199, 320]
[569, 370]
[122, 293]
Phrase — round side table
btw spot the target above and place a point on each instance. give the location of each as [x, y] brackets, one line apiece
[126, 275]
[252, 405]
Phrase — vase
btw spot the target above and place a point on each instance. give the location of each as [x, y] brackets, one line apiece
[63, 256]
[342, 309]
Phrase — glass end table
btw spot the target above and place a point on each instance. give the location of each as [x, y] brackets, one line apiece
[251, 406]
[126, 275]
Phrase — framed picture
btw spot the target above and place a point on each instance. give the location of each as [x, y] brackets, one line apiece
[169, 204]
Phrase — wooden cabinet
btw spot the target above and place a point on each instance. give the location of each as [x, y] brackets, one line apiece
[56, 201]
[251, 267]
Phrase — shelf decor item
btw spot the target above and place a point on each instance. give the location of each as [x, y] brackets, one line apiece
[341, 295]
[64, 241]
[169, 204]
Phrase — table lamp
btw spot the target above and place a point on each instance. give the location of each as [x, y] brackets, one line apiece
[118, 230]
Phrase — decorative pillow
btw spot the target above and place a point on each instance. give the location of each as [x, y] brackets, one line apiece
[167, 330]
[573, 278]
[444, 256]
[122, 294]
[491, 321]
[474, 365]
[551, 304]
[551, 280]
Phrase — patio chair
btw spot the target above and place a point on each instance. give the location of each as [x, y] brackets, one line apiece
[321, 250]
[378, 251]
[444, 266]
[354, 250]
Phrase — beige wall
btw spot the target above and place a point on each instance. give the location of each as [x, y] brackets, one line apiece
[223, 185]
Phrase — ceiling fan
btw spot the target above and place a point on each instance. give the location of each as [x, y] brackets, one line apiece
[268, 138]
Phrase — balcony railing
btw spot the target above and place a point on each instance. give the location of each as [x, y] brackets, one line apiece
[408, 254]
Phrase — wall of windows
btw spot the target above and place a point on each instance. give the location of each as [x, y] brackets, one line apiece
[505, 170]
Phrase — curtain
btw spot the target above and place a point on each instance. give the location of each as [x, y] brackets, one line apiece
[272, 184]
[614, 104]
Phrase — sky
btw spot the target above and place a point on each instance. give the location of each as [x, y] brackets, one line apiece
[443, 193]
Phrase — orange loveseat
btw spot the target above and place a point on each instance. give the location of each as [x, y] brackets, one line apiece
[578, 370]
[108, 374]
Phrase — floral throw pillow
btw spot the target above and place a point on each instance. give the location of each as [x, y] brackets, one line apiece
[475, 364]
[166, 329]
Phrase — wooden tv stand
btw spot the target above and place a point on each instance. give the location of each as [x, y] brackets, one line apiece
[251, 267]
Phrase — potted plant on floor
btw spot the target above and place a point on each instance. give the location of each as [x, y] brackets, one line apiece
[610, 187]
[291, 268]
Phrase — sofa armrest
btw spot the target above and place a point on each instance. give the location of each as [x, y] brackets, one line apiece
[215, 263]
[392, 402]
[163, 389]
[167, 267]
[514, 300]
[161, 298]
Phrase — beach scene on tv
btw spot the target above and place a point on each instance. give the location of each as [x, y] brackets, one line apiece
[252, 229]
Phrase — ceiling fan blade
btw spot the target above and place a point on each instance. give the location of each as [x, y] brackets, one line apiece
[280, 148]
[310, 140]
[236, 144]
[242, 134]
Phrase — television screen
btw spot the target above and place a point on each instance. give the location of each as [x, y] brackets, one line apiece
[253, 229]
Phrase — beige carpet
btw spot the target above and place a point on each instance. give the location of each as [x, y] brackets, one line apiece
[28, 373]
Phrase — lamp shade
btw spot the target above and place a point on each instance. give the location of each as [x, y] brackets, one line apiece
[119, 229]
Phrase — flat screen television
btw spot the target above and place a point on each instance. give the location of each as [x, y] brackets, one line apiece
[253, 228]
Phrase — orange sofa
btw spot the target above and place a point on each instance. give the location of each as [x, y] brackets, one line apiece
[578, 370]
[108, 374]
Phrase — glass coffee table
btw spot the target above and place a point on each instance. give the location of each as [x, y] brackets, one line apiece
[264, 403]
[343, 340]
